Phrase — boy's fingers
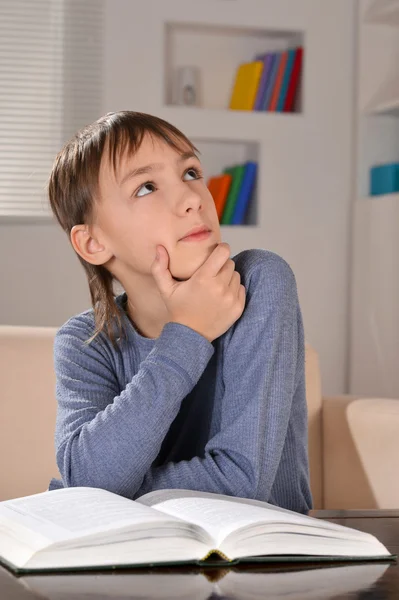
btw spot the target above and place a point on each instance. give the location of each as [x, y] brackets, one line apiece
[161, 273]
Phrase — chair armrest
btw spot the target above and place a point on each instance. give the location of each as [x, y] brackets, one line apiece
[345, 484]
[374, 425]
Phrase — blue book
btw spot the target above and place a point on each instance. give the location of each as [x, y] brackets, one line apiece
[286, 80]
[245, 193]
[266, 58]
[384, 179]
[276, 57]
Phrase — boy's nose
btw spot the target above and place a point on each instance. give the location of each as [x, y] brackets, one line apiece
[189, 199]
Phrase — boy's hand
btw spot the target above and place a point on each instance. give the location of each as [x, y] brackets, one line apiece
[210, 301]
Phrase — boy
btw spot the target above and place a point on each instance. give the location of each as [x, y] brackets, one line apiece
[194, 377]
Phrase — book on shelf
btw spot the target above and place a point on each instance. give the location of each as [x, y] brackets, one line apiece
[237, 175]
[84, 528]
[219, 186]
[274, 62]
[384, 179]
[278, 82]
[269, 83]
[245, 193]
[286, 80]
[245, 86]
[267, 64]
[202, 584]
[293, 85]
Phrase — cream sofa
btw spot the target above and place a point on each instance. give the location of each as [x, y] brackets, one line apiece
[353, 442]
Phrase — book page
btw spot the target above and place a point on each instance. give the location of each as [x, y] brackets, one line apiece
[71, 513]
[220, 515]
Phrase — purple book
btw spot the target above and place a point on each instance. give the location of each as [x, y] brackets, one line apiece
[263, 81]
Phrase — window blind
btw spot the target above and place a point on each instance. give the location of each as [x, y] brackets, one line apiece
[50, 86]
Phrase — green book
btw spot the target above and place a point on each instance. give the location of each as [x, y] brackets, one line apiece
[237, 173]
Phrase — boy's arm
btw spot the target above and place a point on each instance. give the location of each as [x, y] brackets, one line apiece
[101, 430]
[264, 413]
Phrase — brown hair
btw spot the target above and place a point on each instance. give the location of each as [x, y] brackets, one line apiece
[73, 187]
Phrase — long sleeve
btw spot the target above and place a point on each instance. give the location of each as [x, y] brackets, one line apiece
[107, 437]
[264, 406]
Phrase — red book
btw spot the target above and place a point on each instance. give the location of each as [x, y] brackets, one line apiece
[293, 84]
[279, 81]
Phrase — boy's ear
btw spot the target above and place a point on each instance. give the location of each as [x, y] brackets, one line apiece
[87, 245]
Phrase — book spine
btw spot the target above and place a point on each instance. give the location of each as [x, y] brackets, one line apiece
[224, 192]
[263, 81]
[237, 174]
[219, 187]
[237, 88]
[245, 193]
[255, 82]
[293, 84]
[279, 80]
[246, 85]
[271, 79]
[286, 80]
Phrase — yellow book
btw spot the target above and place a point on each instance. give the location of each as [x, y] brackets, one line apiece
[246, 85]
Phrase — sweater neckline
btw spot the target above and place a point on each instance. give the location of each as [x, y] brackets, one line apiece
[121, 300]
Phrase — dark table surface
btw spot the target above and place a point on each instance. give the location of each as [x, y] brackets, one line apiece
[306, 581]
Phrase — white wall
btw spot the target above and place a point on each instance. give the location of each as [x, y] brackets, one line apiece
[374, 340]
[306, 197]
[42, 281]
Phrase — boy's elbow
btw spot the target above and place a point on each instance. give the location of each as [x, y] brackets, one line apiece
[81, 472]
[238, 475]
[71, 472]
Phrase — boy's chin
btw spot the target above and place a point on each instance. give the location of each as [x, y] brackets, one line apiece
[181, 276]
[184, 272]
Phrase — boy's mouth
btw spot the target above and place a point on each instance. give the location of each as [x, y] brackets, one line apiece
[196, 231]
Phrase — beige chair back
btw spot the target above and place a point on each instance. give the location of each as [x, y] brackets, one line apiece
[314, 404]
[27, 410]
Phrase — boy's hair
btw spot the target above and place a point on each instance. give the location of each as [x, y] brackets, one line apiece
[73, 187]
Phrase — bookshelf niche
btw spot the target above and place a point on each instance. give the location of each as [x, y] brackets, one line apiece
[216, 51]
[218, 154]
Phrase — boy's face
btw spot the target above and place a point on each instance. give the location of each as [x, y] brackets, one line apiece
[136, 212]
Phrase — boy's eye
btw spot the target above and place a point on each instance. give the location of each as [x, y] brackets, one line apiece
[146, 187]
[149, 187]
[193, 172]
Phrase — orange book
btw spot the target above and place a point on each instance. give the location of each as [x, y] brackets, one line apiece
[279, 81]
[219, 187]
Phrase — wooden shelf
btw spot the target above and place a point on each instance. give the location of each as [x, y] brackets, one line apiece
[383, 12]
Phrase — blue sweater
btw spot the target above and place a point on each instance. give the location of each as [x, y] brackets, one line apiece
[177, 411]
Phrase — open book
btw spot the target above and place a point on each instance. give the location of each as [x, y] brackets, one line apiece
[90, 528]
